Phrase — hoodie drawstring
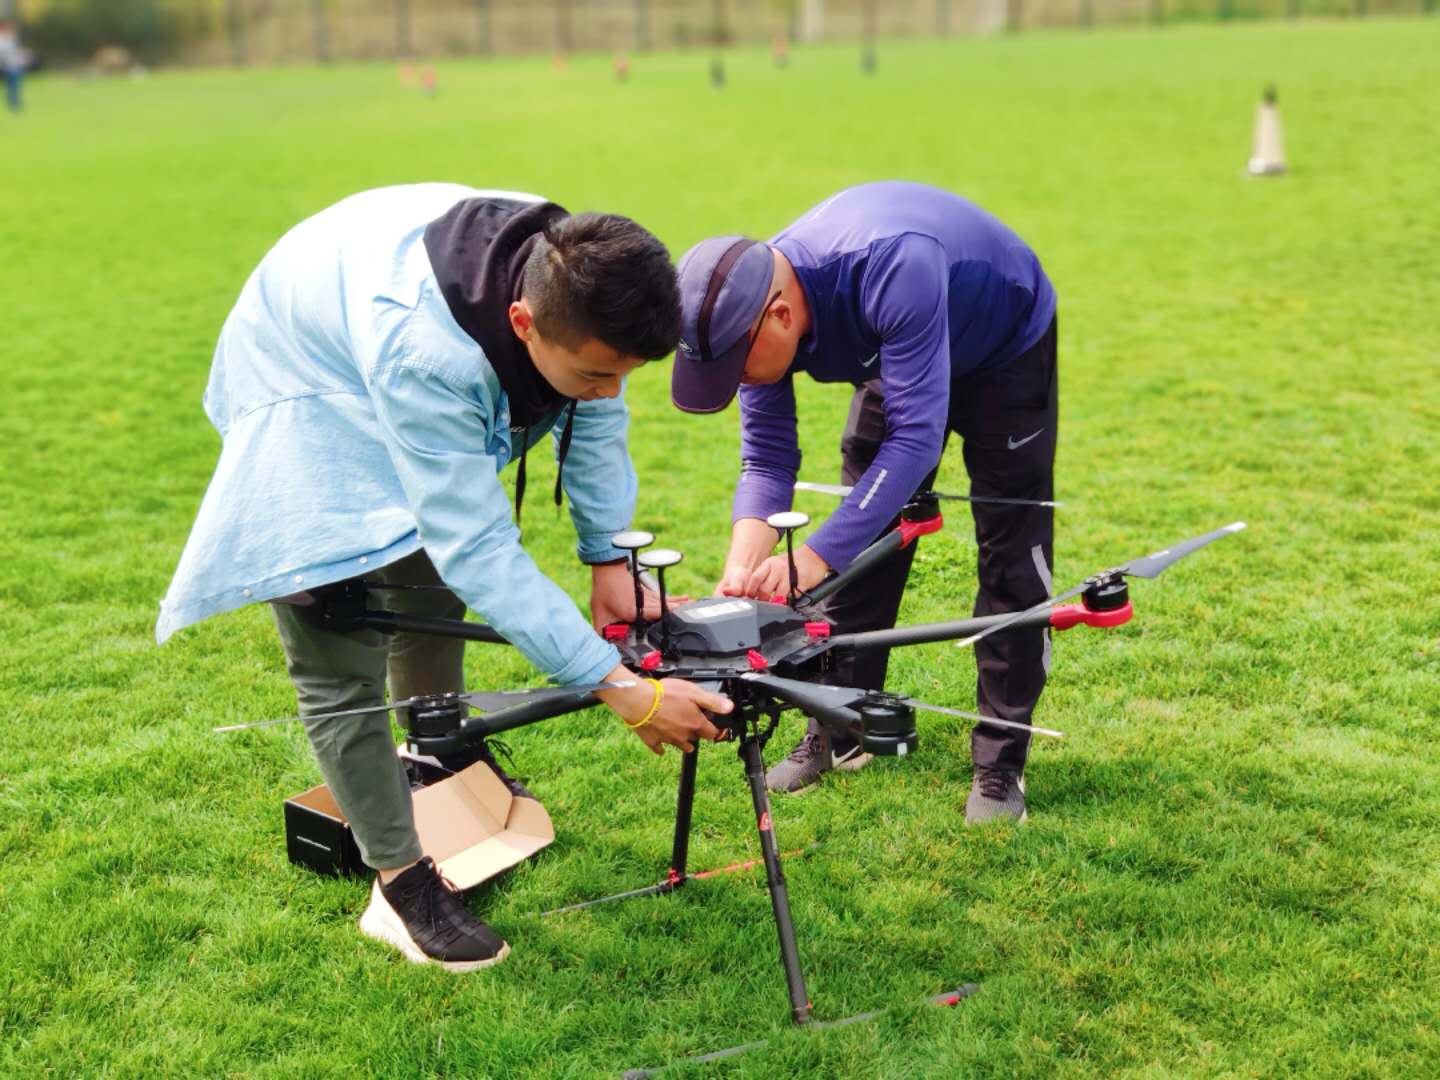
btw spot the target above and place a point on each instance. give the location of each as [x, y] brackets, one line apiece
[565, 436]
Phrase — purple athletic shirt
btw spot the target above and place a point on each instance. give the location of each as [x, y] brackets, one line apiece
[908, 284]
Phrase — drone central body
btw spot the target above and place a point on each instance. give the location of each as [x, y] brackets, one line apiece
[726, 634]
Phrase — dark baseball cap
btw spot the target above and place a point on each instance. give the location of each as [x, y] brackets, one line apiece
[724, 283]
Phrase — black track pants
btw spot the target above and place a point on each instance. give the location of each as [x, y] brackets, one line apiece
[1007, 423]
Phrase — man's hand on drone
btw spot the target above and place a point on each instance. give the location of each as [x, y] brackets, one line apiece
[772, 577]
[678, 721]
[734, 580]
[612, 596]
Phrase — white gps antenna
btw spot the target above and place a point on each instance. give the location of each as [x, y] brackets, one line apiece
[631, 542]
[660, 560]
[786, 522]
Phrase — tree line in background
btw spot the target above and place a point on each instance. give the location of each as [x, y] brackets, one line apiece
[71, 30]
[290, 31]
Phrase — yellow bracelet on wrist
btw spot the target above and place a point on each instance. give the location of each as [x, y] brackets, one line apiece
[654, 706]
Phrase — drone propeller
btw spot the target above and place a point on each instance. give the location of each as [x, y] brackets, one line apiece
[1147, 566]
[842, 490]
[491, 701]
[835, 703]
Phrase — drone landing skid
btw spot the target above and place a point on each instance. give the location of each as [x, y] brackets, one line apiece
[946, 1000]
[752, 734]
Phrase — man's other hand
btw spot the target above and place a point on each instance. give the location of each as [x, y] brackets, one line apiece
[612, 596]
[772, 577]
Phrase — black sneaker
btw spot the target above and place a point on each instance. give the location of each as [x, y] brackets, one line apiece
[995, 794]
[422, 915]
[813, 756]
[481, 752]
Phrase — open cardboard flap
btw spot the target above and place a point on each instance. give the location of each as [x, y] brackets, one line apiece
[474, 828]
[468, 822]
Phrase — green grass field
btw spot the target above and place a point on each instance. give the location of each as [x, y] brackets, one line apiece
[1231, 864]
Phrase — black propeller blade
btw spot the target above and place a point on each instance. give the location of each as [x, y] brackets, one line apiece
[835, 703]
[1147, 566]
[486, 701]
[842, 490]
[1151, 566]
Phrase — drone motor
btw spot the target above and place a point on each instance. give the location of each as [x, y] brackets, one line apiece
[1106, 592]
[887, 725]
[434, 724]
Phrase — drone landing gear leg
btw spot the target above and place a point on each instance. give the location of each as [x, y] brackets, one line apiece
[775, 877]
[684, 803]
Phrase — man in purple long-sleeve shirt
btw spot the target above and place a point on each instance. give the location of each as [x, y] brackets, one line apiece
[943, 320]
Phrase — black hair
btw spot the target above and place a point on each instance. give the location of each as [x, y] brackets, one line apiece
[603, 276]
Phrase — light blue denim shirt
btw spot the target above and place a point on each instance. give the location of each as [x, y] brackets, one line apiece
[360, 423]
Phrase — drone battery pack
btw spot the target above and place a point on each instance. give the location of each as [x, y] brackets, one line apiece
[467, 821]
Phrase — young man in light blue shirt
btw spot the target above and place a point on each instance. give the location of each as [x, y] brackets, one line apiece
[384, 362]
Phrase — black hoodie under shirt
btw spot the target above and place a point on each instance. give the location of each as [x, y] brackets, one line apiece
[478, 250]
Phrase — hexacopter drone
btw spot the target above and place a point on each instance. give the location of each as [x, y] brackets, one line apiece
[766, 656]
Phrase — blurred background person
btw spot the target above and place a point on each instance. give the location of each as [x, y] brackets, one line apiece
[13, 61]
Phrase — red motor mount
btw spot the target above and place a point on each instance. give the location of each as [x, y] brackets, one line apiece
[920, 517]
[1067, 615]
[1105, 602]
[910, 530]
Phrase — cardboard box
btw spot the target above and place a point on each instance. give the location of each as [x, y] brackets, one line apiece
[468, 822]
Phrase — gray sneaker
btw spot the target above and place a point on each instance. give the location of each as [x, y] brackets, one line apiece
[995, 794]
[812, 757]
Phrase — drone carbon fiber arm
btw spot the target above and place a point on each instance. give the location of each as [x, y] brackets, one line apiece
[930, 632]
[897, 538]
[534, 706]
[391, 622]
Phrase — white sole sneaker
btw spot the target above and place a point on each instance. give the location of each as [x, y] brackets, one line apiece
[381, 923]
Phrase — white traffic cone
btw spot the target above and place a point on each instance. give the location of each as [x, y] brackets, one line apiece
[1267, 154]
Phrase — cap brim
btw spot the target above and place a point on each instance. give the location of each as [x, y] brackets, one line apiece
[698, 387]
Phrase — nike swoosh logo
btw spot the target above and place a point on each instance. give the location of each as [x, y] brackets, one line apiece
[1014, 444]
[867, 363]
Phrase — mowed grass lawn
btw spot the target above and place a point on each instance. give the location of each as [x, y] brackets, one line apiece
[1231, 864]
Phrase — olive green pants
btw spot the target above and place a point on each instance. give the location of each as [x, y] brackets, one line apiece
[333, 671]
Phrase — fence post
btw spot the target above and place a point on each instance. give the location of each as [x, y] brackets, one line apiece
[1157, 12]
[642, 24]
[867, 36]
[402, 28]
[236, 23]
[1014, 15]
[1292, 9]
[1087, 13]
[564, 28]
[321, 26]
[942, 17]
[484, 30]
